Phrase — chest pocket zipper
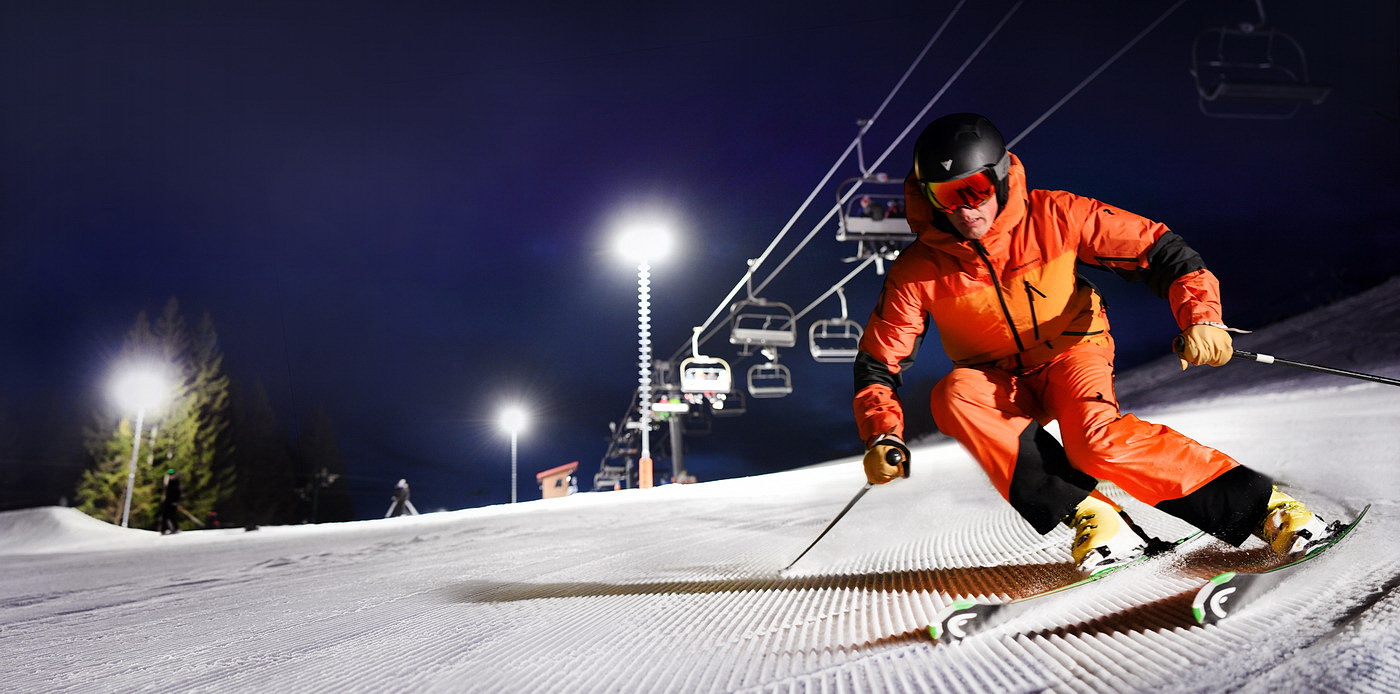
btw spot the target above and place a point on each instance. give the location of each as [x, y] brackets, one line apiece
[1031, 293]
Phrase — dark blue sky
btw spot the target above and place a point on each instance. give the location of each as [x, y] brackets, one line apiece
[400, 212]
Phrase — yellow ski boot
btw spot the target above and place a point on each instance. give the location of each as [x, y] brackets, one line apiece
[1102, 536]
[1289, 527]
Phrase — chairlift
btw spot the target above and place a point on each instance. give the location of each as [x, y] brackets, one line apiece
[875, 216]
[731, 404]
[696, 424]
[879, 227]
[702, 374]
[770, 379]
[1252, 70]
[762, 323]
[835, 339]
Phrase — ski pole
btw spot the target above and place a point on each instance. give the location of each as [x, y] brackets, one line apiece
[190, 516]
[895, 458]
[1267, 359]
[830, 525]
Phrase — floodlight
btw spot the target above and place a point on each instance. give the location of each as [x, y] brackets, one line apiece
[513, 419]
[140, 388]
[644, 242]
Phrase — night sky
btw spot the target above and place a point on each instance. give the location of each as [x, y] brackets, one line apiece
[400, 213]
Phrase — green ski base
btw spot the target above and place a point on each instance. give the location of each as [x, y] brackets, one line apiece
[966, 617]
[1225, 593]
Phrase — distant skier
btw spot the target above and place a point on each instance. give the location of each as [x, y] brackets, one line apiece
[994, 268]
[401, 505]
[170, 503]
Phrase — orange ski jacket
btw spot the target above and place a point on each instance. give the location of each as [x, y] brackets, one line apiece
[1014, 299]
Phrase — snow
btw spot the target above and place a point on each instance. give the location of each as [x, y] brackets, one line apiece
[678, 588]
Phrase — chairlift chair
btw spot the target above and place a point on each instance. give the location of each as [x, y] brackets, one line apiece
[835, 339]
[769, 379]
[762, 323]
[703, 378]
[705, 375]
[731, 404]
[874, 236]
[702, 374]
[856, 226]
[696, 424]
[1252, 70]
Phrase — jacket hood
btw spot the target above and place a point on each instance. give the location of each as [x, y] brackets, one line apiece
[934, 229]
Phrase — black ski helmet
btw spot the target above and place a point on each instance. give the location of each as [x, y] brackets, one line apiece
[960, 145]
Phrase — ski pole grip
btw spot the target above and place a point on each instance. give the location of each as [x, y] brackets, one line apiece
[898, 457]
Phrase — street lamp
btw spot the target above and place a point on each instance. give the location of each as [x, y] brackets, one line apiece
[643, 242]
[138, 388]
[512, 422]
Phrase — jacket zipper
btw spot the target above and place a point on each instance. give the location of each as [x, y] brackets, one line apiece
[1031, 291]
[1001, 297]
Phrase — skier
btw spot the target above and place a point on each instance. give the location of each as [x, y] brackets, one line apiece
[994, 267]
[170, 503]
[400, 504]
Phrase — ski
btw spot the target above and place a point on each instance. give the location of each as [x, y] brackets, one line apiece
[966, 617]
[1226, 593]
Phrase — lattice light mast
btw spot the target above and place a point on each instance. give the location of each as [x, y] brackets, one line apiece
[643, 243]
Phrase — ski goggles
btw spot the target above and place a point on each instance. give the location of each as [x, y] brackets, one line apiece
[969, 191]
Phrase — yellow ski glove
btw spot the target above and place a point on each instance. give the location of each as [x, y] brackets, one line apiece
[885, 459]
[1204, 344]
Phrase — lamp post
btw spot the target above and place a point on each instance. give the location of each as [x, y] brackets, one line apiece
[139, 389]
[512, 421]
[643, 243]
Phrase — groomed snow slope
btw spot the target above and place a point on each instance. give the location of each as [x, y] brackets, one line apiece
[677, 589]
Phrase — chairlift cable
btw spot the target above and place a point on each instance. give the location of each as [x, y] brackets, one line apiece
[835, 288]
[917, 59]
[753, 264]
[915, 121]
[1126, 47]
[753, 267]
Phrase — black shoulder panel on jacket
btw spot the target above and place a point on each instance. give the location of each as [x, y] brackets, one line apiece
[869, 371]
[1168, 258]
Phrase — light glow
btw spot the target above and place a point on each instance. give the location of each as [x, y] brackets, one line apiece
[513, 419]
[644, 242]
[140, 388]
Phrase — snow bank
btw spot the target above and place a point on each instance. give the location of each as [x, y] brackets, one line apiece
[56, 529]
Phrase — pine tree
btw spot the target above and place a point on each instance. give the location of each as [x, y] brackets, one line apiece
[326, 488]
[188, 435]
[262, 461]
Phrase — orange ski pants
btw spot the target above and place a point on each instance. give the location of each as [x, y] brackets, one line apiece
[996, 415]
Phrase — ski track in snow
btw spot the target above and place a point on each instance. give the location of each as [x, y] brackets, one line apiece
[678, 588]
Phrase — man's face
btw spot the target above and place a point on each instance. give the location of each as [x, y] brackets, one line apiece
[974, 222]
